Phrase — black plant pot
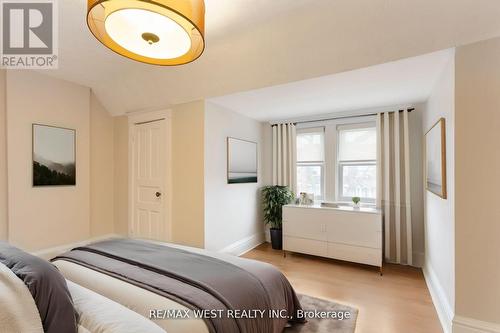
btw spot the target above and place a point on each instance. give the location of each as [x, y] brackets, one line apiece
[276, 238]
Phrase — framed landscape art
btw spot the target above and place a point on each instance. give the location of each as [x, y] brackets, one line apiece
[435, 159]
[53, 156]
[241, 161]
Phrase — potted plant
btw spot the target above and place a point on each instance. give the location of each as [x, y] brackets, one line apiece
[356, 201]
[274, 197]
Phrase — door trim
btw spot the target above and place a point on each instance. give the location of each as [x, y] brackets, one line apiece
[141, 118]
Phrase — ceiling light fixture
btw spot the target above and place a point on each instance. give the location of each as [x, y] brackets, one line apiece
[159, 32]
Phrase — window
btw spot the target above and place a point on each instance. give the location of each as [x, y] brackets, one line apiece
[311, 162]
[357, 162]
[338, 160]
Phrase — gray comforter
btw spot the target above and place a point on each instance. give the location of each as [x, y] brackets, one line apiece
[235, 286]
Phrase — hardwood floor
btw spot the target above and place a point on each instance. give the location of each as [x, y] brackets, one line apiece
[397, 302]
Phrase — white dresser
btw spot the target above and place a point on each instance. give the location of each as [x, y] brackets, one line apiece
[343, 232]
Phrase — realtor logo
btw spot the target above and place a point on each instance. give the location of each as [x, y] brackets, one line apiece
[29, 34]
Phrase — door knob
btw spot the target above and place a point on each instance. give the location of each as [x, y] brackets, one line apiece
[158, 194]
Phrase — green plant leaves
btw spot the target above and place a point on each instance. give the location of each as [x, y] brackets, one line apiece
[273, 198]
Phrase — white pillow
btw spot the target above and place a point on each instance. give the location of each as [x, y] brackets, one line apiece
[99, 314]
[18, 311]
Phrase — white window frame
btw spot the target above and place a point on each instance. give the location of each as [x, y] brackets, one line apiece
[340, 182]
[321, 164]
[330, 169]
[340, 163]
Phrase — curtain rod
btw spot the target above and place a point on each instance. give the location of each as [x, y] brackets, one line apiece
[342, 117]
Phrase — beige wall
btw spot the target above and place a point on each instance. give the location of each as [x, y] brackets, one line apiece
[121, 175]
[101, 169]
[188, 174]
[46, 216]
[3, 159]
[51, 216]
[477, 153]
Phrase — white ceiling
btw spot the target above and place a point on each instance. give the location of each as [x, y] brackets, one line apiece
[253, 44]
[407, 81]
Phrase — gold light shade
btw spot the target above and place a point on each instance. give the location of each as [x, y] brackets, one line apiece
[158, 32]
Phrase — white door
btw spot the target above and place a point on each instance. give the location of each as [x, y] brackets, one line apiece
[149, 173]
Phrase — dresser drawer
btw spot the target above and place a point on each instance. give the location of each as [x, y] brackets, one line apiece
[304, 223]
[363, 255]
[307, 246]
[355, 229]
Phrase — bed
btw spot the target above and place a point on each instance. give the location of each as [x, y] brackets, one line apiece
[36, 298]
[152, 277]
[134, 298]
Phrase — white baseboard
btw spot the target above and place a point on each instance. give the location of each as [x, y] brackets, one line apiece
[54, 251]
[469, 325]
[244, 245]
[441, 303]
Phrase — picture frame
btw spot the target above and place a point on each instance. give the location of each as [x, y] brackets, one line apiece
[242, 161]
[435, 159]
[53, 156]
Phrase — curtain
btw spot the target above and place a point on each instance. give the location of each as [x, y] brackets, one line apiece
[284, 155]
[393, 180]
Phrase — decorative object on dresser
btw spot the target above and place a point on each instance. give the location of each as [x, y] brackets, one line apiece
[306, 198]
[435, 159]
[274, 198]
[334, 231]
[241, 161]
[53, 156]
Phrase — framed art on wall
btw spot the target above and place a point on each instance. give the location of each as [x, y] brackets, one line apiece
[241, 161]
[54, 161]
[435, 159]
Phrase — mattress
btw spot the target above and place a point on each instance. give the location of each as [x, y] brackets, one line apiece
[98, 314]
[134, 298]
